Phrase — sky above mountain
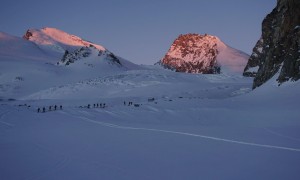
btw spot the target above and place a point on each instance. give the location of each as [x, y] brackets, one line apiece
[138, 30]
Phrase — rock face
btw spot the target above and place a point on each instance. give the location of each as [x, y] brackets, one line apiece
[278, 50]
[205, 54]
[85, 52]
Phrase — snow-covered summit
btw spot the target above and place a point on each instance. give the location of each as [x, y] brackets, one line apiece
[207, 54]
[57, 40]
[67, 48]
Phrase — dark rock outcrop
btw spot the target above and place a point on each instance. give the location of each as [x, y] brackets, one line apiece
[85, 52]
[278, 50]
[27, 35]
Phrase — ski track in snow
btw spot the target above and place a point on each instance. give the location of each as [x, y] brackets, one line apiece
[189, 134]
[281, 135]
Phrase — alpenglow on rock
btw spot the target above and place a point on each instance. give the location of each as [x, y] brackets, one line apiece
[205, 54]
[278, 50]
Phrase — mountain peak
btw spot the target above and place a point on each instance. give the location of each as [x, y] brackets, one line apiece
[206, 54]
[67, 48]
[57, 40]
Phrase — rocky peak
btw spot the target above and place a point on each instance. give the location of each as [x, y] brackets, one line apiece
[278, 50]
[193, 53]
[205, 54]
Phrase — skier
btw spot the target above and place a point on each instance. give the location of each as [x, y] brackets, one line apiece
[60, 107]
[38, 110]
[55, 107]
[44, 109]
[88, 106]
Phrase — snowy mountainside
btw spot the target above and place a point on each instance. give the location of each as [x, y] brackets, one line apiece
[69, 48]
[28, 66]
[12, 47]
[57, 40]
[87, 73]
[205, 54]
[21, 77]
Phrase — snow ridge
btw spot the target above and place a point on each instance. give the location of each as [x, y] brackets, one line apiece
[66, 47]
[57, 40]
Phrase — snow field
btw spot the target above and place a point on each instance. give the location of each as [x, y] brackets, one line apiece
[196, 127]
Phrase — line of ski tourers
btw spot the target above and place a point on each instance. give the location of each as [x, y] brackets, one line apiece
[51, 108]
[98, 105]
[103, 105]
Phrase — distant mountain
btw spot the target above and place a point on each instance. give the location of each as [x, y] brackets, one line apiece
[57, 40]
[277, 53]
[51, 58]
[205, 54]
[68, 48]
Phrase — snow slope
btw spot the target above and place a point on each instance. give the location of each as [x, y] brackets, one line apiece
[231, 59]
[251, 136]
[12, 47]
[57, 41]
[27, 67]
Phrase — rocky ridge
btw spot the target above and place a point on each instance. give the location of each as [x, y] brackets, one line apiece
[277, 52]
